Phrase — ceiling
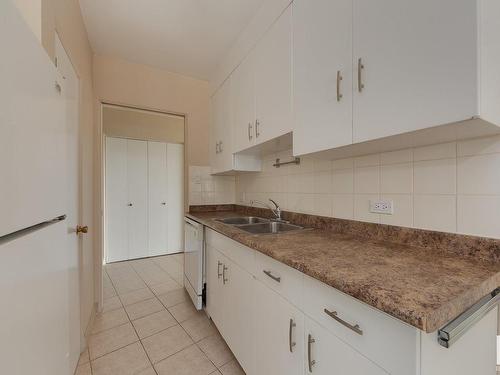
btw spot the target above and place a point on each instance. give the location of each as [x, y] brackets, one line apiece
[188, 37]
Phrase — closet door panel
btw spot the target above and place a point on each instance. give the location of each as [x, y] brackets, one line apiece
[137, 176]
[157, 187]
[175, 198]
[116, 200]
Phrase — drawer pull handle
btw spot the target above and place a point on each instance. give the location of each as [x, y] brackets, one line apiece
[224, 279]
[311, 362]
[275, 278]
[334, 315]
[290, 333]
[218, 270]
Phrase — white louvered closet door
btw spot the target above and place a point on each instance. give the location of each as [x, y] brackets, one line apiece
[116, 200]
[137, 182]
[158, 208]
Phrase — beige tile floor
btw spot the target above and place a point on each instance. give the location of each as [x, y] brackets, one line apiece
[149, 326]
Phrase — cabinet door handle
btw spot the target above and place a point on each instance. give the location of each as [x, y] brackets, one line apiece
[334, 315]
[220, 146]
[257, 125]
[130, 204]
[361, 66]
[275, 278]
[311, 362]
[218, 270]
[224, 280]
[339, 78]
[250, 131]
[216, 147]
[163, 203]
[290, 334]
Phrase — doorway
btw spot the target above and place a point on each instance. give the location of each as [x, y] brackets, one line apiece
[143, 183]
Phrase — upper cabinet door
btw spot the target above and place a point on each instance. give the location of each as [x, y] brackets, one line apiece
[222, 125]
[273, 63]
[243, 93]
[415, 65]
[322, 74]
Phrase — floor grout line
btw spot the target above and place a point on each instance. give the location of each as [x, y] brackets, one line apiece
[134, 271]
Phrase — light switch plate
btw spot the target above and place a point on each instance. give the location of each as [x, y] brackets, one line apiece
[380, 206]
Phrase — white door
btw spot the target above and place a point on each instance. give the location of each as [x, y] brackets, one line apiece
[243, 83]
[116, 198]
[157, 197]
[137, 182]
[273, 80]
[322, 74]
[326, 354]
[238, 314]
[420, 65]
[70, 94]
[175, 198]
[36, 268]
[279, 330]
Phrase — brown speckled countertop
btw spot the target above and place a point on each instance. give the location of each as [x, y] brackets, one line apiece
[423, 287]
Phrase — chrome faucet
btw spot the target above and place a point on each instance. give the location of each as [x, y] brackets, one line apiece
[276, 210]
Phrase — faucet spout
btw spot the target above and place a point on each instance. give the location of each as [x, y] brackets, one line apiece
[276, 210]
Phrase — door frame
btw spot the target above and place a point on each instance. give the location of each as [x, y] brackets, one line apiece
[100, 202]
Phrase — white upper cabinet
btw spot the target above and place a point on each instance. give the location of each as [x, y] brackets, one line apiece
[273, 82]
[322, 74]
[415, 65]
[222, 157]
[243, 84]
[221, 150]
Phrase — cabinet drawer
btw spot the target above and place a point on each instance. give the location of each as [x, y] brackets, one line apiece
[390, 343]
[241, 255]
[283, 279]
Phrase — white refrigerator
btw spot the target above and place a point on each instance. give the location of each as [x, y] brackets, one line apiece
[39, 289]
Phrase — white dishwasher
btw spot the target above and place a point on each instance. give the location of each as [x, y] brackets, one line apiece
[194, 255]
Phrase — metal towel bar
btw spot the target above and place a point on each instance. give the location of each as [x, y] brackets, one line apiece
[23, 232]
[280, 163]
[450, 333]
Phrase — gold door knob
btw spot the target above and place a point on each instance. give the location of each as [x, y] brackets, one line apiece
[82, 229]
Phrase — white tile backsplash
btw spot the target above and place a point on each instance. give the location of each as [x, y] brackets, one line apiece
[431, 188]
[206, 189]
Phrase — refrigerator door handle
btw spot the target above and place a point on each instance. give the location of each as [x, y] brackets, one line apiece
[25, 231]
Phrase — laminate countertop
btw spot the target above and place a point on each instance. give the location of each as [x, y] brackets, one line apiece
[423, 287]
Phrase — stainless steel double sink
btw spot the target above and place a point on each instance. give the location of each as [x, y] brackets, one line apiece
[258, 225]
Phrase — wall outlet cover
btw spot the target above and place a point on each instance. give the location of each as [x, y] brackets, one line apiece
[380, 206]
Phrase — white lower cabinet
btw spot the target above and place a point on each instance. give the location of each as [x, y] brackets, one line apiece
[214, 304]
[230, 304]
[279, 330]
[326, 354]
[278, 321]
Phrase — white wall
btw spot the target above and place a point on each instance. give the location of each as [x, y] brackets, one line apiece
[452, 187]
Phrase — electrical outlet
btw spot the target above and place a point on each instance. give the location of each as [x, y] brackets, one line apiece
[382, 207]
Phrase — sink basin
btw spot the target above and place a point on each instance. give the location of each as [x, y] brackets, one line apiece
[243, 220]
[270, 228]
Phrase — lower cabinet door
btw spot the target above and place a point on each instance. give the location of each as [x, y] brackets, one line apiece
[214, 302]
[279, 334]
[239, 314]
[325, 354]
